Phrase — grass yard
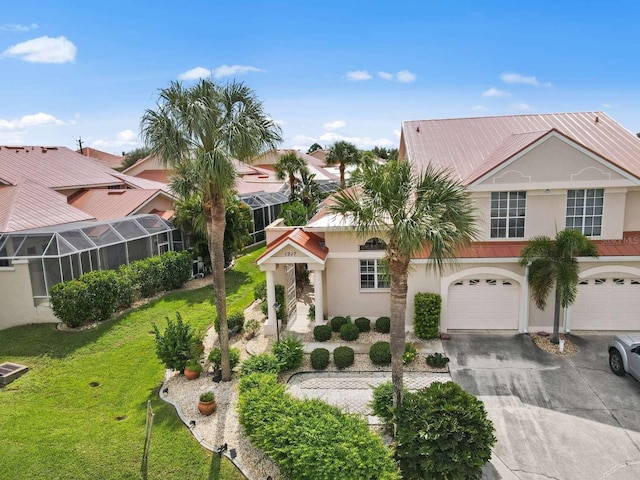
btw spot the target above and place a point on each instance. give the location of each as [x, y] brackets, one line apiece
[54, 425]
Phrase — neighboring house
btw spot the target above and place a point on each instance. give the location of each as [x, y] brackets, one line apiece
[529, 175]
[106, 159]
[61, 215]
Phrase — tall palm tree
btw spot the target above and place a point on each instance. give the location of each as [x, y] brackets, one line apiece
[287, 166]
[409, 211]
[197, 130]
[343, 153]
[553, 266]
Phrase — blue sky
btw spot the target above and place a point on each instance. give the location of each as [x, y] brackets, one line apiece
[325, 70]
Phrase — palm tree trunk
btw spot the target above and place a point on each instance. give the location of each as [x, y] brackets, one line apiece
[556, 319]
[292, 185]
[342, 167]
[399, 275]
[216, 250]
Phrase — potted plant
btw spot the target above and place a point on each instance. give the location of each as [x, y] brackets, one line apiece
[192, 369]
[207, 404]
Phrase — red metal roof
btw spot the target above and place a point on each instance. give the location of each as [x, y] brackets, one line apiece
[106, 159]
[162, 176]
[465, 145]
[308, 241]
[106, 204]
[30, 205]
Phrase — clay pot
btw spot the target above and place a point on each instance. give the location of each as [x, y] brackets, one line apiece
[207, 408]
[191, 374]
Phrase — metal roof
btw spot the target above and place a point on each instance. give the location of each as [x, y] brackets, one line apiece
[105, 204]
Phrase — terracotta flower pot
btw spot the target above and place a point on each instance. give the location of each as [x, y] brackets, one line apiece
[191, 374]
[207, 408]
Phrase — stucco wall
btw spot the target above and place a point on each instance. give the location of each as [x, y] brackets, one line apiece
[159, 203]
[150, 164]
[632, 211]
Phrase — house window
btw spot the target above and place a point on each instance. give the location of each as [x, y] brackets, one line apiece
[373, 244]
[373, 274]
[584, 211]
[507, 214]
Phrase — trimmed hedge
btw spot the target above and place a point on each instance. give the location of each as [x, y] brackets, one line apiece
[363, 324]
[234, 320]
[96, 295]
[320, 358]
[322, 333]
[215, 357]
[343, 357]
[380, 353]
[308, 438]
[426, 319]
[338, 322]
[383, 325]
[349, 332]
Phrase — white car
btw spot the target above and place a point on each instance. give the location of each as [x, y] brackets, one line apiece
[624, 354]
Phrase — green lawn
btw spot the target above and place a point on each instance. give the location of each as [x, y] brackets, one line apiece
[54, 425]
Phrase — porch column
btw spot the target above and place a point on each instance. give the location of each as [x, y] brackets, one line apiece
[270, 325]
[318, 296]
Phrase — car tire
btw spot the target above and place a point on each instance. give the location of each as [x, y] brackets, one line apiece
[615, 362]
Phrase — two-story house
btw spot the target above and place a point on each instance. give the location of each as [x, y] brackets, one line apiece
[529, 175]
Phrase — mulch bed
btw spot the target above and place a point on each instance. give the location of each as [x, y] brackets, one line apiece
[543, 341]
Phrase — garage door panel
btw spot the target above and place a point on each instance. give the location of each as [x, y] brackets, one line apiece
[483, 304]
[607, 304]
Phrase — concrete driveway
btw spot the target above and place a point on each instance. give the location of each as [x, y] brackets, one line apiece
[556, 417]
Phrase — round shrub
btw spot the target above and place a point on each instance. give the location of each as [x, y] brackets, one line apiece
[458, 428]
[349, 332]
[262, 363]
[215, 357]
[437, 360]
[322, 333]
[289, 351]
[363, 324]
[380, 353]
[343, 357]
[338, 322]
[320, 358]
[235, 322]
[383, 325]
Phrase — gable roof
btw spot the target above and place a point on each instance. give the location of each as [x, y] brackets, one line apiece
[471, 147]
[298, 238]
[29, 205]
[106, 159]
[106, 204]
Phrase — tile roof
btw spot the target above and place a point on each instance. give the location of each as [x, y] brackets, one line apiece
[53, 167]
[463, 145]
[104, 204]
[106, 159]
[308, 241]
[29, 205]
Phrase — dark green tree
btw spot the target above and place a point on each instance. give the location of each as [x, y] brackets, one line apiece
[133, 156]
[314, 147]
[287, 166]
[342, 154]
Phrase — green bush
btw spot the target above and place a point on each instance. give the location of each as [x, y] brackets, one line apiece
[215, 357]
[322, 333]
[176, 269]
[343, 357]
[380, 353]
[381, 403]
[262, 363]
[459, 435]
[410, 353]
[363, 324]
[289, 351]
[308, 438]
[338, 322]
[103, 293]
[383, 325]
[252, 327]
[260, 291]
[426, 319]
[349, 332]
[320, 358]
[280, 298]
[71, 303]
[437, 360]
[234, 320]
[175, 347]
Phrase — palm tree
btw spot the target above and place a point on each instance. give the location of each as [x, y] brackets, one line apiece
[287, 166]
[197, 130]
[409, 212]
[552, 265]
[343, 153]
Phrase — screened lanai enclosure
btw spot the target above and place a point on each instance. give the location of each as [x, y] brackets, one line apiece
[64, 252]
[266, 209]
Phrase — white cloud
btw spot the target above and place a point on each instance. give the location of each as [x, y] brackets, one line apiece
[15, 27]
[36, 120]
[607, 105]
[125, 138]
[358, 75]
[396, 133]
[195, 74]
[494, 92]
[512, 78]
[334, 125]
[386, 75]
[478, 108]
[303, 139]
[360, 142]
[43, 50]
[521, 106]
[229, 70]
[14, 137]
[405, 76]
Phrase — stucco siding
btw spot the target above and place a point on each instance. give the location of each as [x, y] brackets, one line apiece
[632, 211]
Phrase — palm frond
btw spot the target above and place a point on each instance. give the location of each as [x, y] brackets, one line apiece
[541, 278]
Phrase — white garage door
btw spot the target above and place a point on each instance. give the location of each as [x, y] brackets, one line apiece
[484, 304]
[607, 304]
